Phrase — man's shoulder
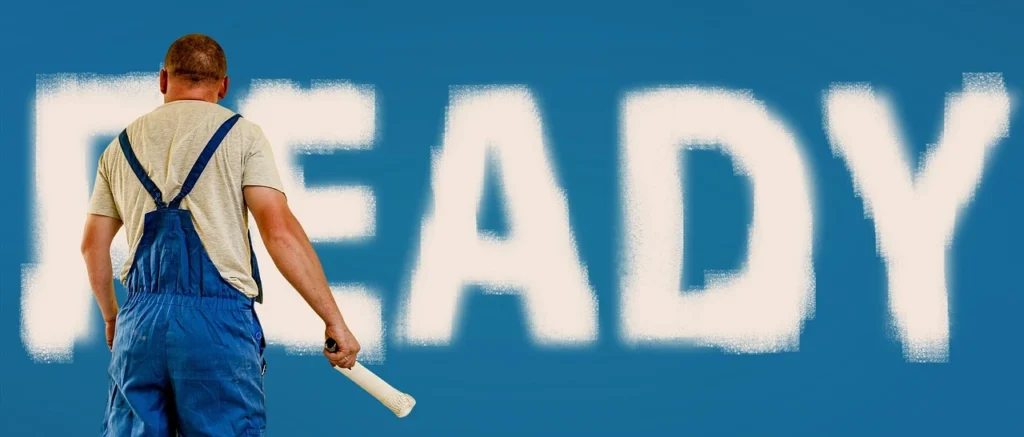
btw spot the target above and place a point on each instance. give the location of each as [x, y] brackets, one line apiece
[248, 129]
[248, 126]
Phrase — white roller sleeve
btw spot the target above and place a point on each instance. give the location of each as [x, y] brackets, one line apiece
[399, 403]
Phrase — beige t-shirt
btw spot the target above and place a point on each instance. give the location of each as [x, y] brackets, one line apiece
[167, 142]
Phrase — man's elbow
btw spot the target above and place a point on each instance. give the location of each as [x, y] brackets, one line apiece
[276, 233]
[99, 234]
[92, 243]
[90, 246]
[87, 244]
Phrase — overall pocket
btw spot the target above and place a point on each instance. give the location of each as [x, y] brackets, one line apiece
[261, 342]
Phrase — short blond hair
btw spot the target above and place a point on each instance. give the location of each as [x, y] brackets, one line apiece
[196, 58]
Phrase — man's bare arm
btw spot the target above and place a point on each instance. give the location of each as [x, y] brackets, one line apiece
[291, 250]
[294, 256]
[99, 234]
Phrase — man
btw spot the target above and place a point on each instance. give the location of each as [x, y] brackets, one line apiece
[187, 347]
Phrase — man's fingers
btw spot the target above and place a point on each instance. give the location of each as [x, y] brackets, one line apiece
[343, 361]
[341, 358]
[344, 355]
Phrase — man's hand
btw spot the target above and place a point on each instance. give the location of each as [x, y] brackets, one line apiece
[348, 347]
[110, 332]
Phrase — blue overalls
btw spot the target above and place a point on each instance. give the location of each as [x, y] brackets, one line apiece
[188, 349]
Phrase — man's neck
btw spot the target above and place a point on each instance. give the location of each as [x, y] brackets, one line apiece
[169, 99]
[176, 92]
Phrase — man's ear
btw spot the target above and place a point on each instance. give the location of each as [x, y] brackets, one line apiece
[223, 91]
[163, 81]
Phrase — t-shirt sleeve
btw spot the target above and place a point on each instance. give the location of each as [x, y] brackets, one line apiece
[102, 201]
[260, 167]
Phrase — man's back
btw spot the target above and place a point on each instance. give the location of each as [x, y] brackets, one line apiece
[167, 142]
[187, 347]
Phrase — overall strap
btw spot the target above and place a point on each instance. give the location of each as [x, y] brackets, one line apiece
[204, 158]
[136, 166]
[193, 177]
[255, 271]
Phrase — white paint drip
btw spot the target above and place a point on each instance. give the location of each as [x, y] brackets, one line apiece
[760, 309]
[915, 212]
[329, 116]
[71, 112]
[538, 260]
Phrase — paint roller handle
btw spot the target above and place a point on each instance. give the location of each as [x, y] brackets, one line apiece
[398, 402]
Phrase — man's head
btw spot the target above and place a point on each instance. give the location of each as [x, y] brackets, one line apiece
[195, 69]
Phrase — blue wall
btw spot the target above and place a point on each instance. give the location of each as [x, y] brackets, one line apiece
[579, 58]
